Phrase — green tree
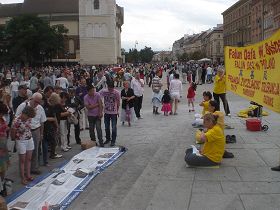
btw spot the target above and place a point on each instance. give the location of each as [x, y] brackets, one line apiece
[29, 38]
[132, 56]
[146, 55]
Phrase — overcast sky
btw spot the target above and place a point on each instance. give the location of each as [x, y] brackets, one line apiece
[158, 23]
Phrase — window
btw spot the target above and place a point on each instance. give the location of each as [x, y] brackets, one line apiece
[89, 30]
[96, 4]
[96, 30]
[71, 46]
[104, 30]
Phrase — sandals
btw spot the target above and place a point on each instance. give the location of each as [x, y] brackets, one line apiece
[230, 139]
[30, 179]
[24, 182]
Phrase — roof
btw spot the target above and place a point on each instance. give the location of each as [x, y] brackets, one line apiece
[9, 10]
[39, 7]
[50, 6]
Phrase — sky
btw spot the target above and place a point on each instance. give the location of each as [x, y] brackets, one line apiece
[158, 23]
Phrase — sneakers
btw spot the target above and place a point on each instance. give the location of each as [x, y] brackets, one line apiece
[112, 144]
[277, 168]
[68, 147]
[64, 149]
[107, 142]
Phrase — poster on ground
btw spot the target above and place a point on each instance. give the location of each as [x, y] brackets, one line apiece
[253, 71]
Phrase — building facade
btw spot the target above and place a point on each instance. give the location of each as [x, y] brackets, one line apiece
[237, 24]
[250, 21]
[215, 44]
[94, 35]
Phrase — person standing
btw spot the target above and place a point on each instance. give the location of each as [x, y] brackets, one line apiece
[22, 96]
[81, 91]
[37, 127]
[137, 85]
[111, 111]
[127, 95]
[34, 83]
[175, 90]
[14, 87]
[21, 133]
[220, 90]
[94, 106]
[157, 94]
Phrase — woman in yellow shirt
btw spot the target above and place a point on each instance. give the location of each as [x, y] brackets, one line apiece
[220, 90]
[214, 144]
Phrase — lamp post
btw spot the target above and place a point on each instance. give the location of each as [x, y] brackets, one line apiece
[67, 58]
[42, 53]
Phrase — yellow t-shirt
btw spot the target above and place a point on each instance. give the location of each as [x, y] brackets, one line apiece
[205, 105]
[214, 146]
[219, 85]
[221, 119]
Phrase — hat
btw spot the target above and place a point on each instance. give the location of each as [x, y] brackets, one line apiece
[22, 87]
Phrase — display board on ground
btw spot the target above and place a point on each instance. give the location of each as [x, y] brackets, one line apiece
[60, 187]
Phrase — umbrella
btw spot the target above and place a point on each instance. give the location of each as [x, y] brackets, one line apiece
[205, 60]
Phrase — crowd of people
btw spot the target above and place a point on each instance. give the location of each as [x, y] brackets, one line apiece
[40, 107]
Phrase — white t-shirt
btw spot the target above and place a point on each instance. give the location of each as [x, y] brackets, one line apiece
[39, 118]
[136, 85]
[209, 70]
[63, 82]
[14, 86]
[175, 87]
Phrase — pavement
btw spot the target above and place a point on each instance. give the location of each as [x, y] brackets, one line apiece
[152, 174]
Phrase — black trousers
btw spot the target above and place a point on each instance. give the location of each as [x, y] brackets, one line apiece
[76, 131]
[194, 160]
[224, 100]
[203, 76]
[138, 105]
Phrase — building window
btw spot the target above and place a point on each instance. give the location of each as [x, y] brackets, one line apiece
[96, 30]
[104, 30]
[71, 46]
[89, 30]
[96, 4]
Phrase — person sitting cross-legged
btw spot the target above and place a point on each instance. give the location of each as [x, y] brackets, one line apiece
[214, 144]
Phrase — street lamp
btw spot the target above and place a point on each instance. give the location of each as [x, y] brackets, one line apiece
[136, 43]
[42, 53]
[67, 57]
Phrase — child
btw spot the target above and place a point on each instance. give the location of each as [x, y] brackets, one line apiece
[21, 133]
[207, 96]
[191, 95]
[166, 100]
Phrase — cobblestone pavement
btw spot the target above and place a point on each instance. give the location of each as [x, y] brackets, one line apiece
[152, 174]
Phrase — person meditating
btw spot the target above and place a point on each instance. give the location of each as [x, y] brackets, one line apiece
[214, 144]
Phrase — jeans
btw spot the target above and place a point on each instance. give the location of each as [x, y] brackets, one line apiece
[95, 122]
[138, 105]
[224, 100]
[113, 118]
[195, 160]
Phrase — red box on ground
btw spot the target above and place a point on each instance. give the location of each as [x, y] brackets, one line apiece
[254, 124]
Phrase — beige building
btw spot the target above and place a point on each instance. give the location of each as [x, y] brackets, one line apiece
[215, 44]
[94, 26]
[237, 24]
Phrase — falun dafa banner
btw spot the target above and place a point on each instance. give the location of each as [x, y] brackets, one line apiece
[253, 71]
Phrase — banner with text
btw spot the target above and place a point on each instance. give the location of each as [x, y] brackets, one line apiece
[254, 71]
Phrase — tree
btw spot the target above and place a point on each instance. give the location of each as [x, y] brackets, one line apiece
[146, 55]
[29, 38]
[132, 56]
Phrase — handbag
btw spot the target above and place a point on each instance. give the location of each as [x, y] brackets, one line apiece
[72, 119]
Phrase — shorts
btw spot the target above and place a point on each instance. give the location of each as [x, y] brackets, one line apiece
[24, 145]
[175, 96]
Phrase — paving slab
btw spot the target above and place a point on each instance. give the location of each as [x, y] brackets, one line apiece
[215, 202]
[261, 174]
[261, 202]
[221, 174]
[170, 195]
[247, 187]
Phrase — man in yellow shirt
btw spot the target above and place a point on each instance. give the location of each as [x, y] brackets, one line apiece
[220, 90]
